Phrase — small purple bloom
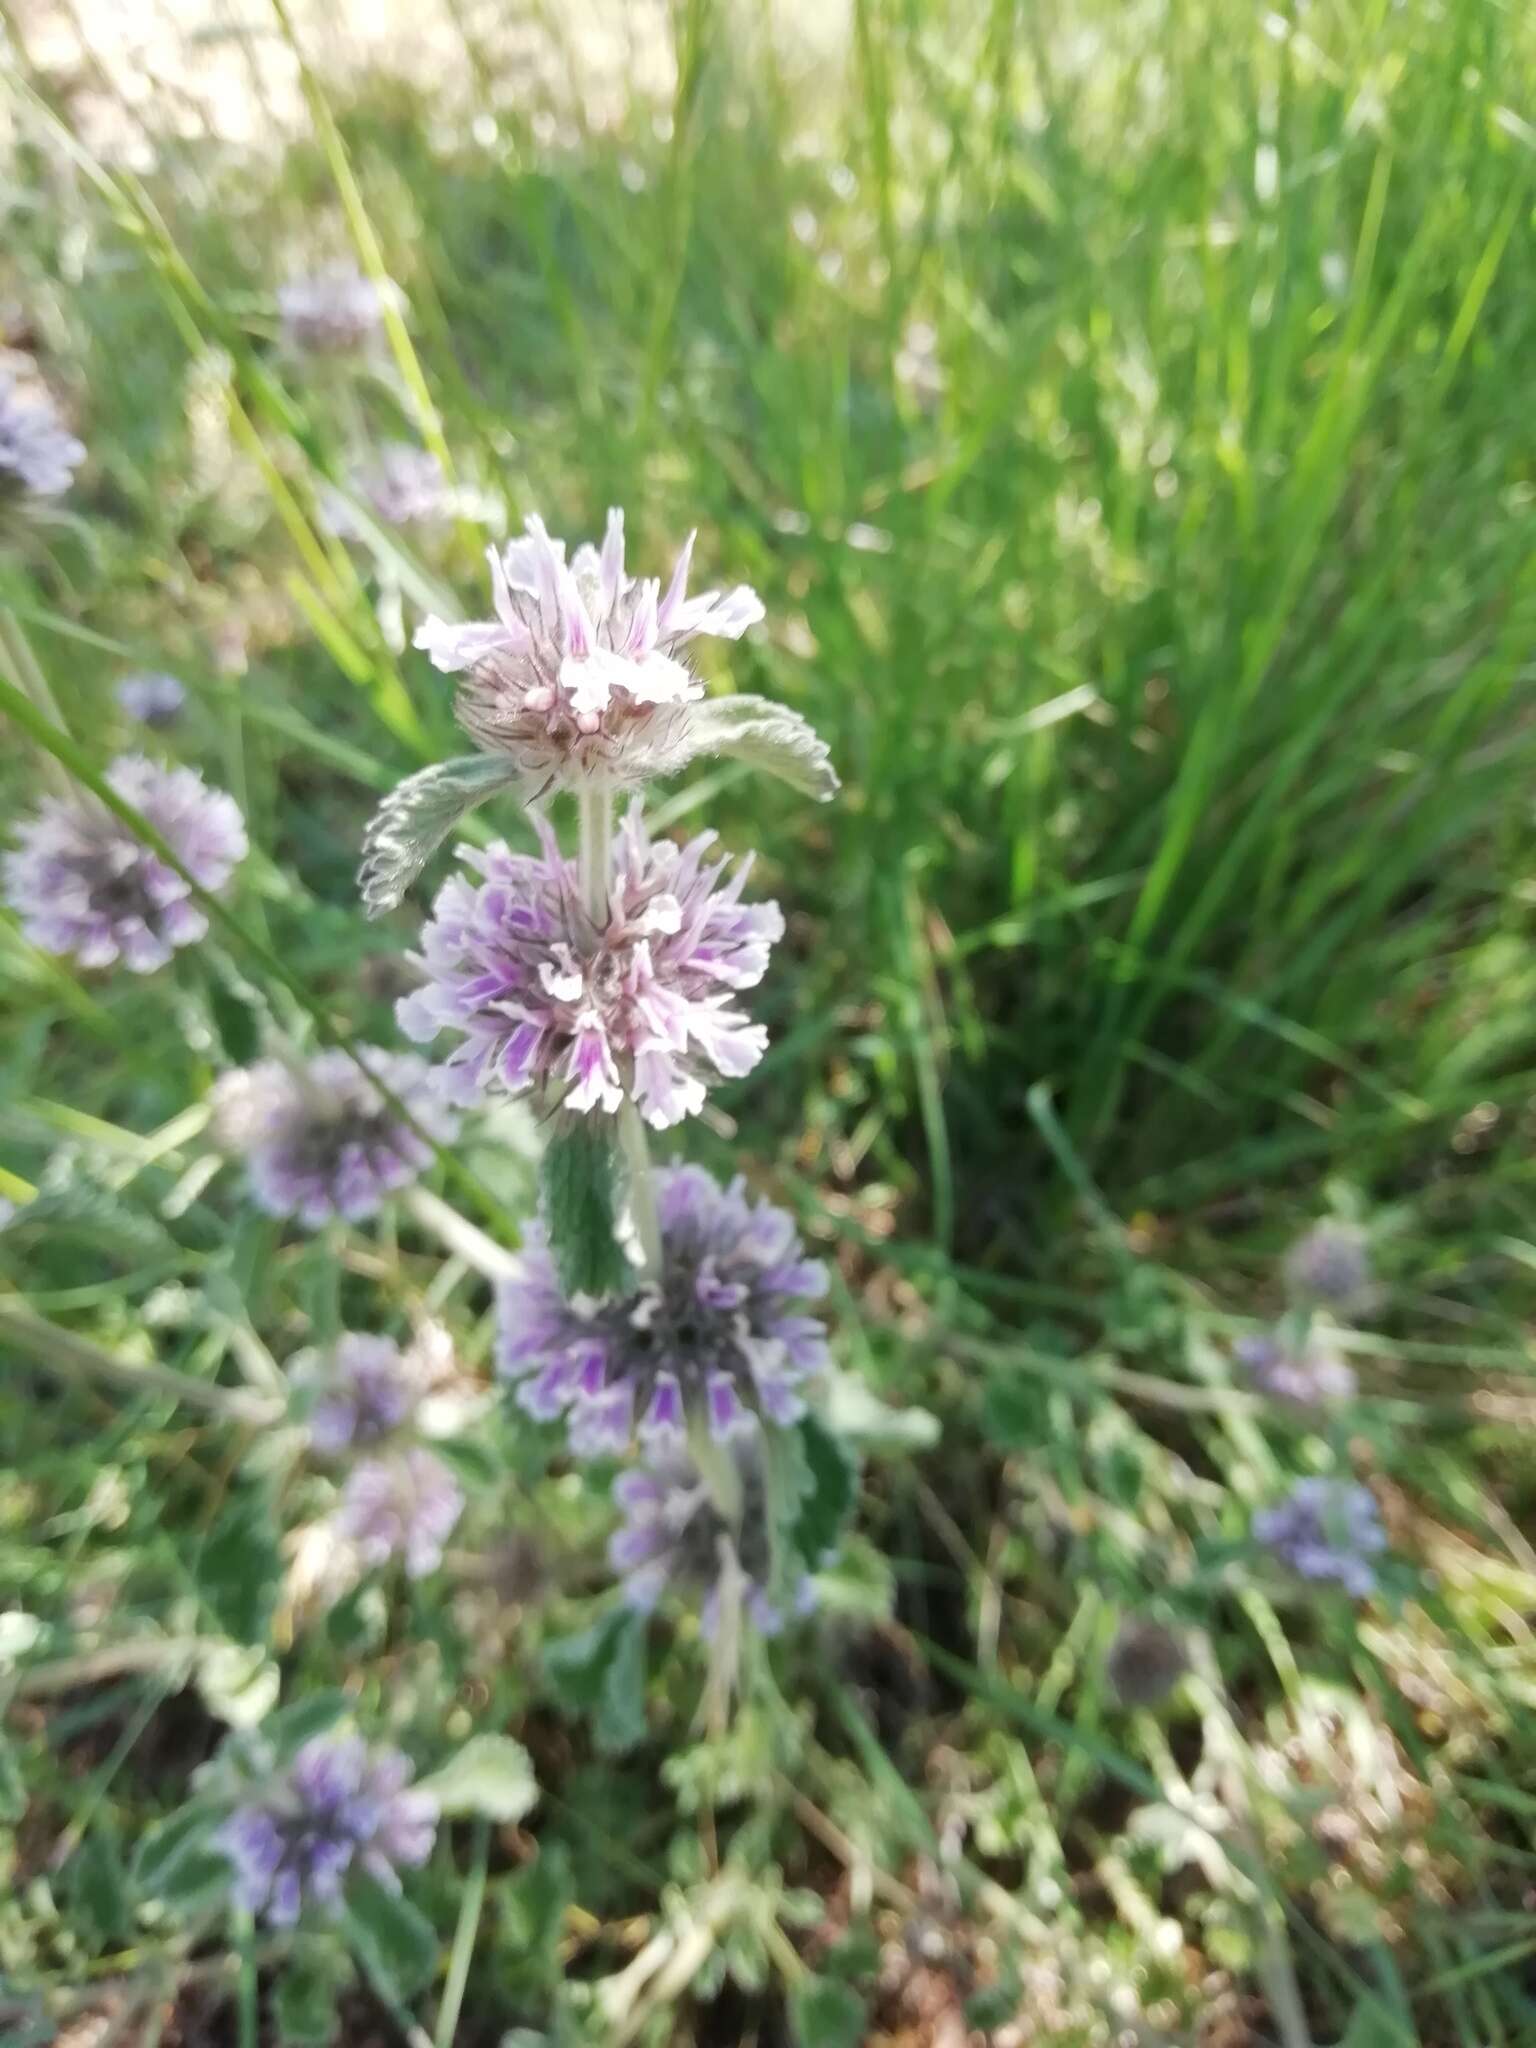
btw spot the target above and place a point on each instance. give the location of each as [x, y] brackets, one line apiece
[1330, 1267]
[153, 699]
[38, 454]
[1327, 1530]
[366, 1391]
[1307, 1372]
[333, 312]
[542, 1000]
[84, 884]
[400, 485]
[673, 1536]
[319, 1139]
[334, 1808]
[724, 1336]
[405, 1504]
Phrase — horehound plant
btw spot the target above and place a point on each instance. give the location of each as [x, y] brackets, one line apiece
[649, 1307]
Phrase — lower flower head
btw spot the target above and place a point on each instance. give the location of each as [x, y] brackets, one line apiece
[38, 454]
[1327, 1530]
[153, 699]
[401, 486]
[542, 1000]
[674, 1538]
[404, 1504]
[319, 1138]
[333, 312]
[334, 1808]
[723, 1336]
[84, 885]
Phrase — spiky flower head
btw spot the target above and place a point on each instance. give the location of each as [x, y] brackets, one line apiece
[318, 1137]
[38, 454]
[579, 678]
[333, 312]
[83, 884]
[403, 1504]
[154, 699]
[1327, 1530]
[544, 1001]
[400, 485]
[1330, 1267]
[1308, 1371]
[365, 1389]
[723, 1336]
[673, 1537]
[336, 1808]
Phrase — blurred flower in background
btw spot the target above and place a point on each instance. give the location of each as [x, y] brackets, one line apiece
[674, 1538]
[1329, 1267]
[1326, 1530]
[400, 485]
[38, 454]
[405, 1505]
[331, 312]
[1308, 1370]
[153, 699]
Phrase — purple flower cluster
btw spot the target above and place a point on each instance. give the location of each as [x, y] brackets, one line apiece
[153, 699]
[578, 672]
[401, 486]
[544, 1000]
[672, 1535]
[405, 1504]
[1306, 1371]
[1327, 1530]
[366, 1390]
[320, 1140]
[38, 454]
[1329, 1267]
[333, 312]
[722, 1335]
[334, 1809]
[84, 885]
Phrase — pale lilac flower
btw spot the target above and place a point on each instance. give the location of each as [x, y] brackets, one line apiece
[319, 1139]
[404, 1504]
[723, 1336]
[84, 884]
[334, 311]
[579, 677]
[334, 1809]
[1329, 1267]
[543, 1001]
[1306, 1371]
[401, 486]
[154, 699]
[38, 454]
[673, 1536]
[365, 1392]
[1327, 1530]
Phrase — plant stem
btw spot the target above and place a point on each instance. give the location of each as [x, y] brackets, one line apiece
[464, 1939]
[465, 1240]
[595, 850]
[76, 1358]
[642, 1189]
[30, 679]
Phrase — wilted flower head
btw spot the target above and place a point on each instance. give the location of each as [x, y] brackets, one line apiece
[153, 699]
[1146, 1661]
[405, 1504]
[1326, 1529]
[401, 486]
[1308, 1371]
[38, 454]
[723, 1335]
[84, 885]
[673, 1536]
[579, 677]
[542, 1000]
[320, 1140]
[334, 311]
[334, 1808]
[1330, 1267]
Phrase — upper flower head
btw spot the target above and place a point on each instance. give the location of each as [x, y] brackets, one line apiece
[1326, 1529]
[333, 311]
[673, 1535]
[333, 1808]
[153, 699]
[320, 1140]
[542, 999]
[1329, 1266]
[401, 486]
[1308, 1372]
[723, 1335]
[38, 454]
[83, 884]
[580, 675]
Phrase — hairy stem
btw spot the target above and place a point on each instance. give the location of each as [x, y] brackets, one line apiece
[465, 1240]
[16, 649]
[595, 851]
[75, 1358]
[642, 1189]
